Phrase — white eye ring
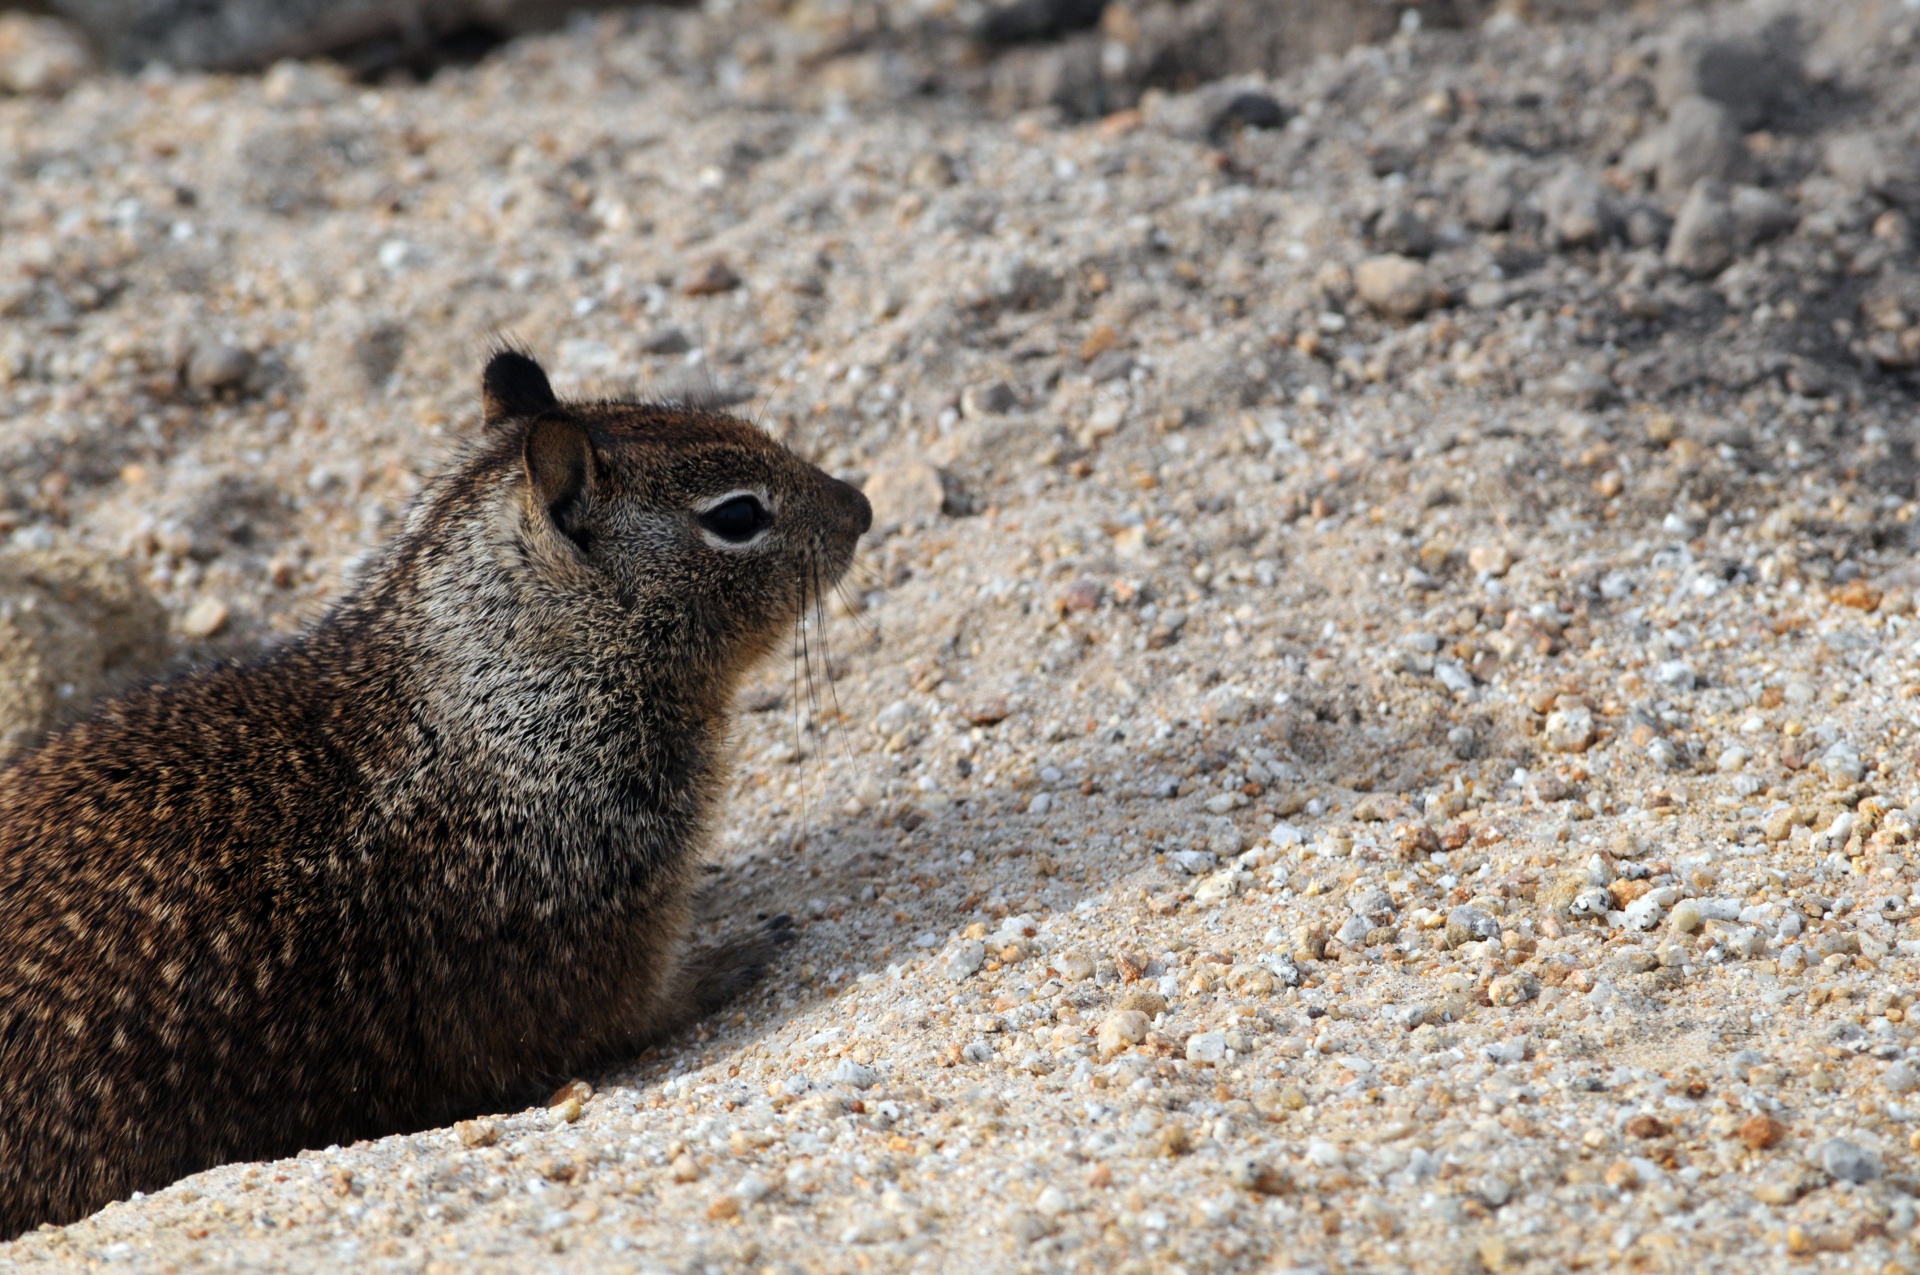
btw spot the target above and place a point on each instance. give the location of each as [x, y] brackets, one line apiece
[735, 520]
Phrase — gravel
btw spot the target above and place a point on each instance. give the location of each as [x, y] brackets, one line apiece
[1374, 731]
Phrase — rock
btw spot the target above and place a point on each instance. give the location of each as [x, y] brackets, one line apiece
[1738, 73]
[1119, 1031]
[710, 278]
[1685, 917]
[73, 627]
[1703, 237]
[1469, 925]
[1901, 1078]
[1400, 230]
[1577, 209]
[1700, 142]
[854, 1074]
[905, 493]
[1194, 863]
[1490, 559]
[1487, 197]
[1759, 216]
[1207, 1048]
[1760, 1132]
[1845, 1161]
[1074, 967]
[962, 959]
[1218, 111]
[476, 1133]
[216, 367]
[1007, 22]
[1868, 163]
[204, 619]
[1513, 989]
[1842, 761]
[40, 56]
[1251, 1174]
[1675, 675]
[667, 341]
[988, 400]
[1394, 286]
[1569, 730]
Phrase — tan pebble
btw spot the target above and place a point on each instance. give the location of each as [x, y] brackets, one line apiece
[578, 1089]
[1259, 1177]
[1146, 1000]
[204, 619]
[1099, 1176]
[1622, 1176]
[1397, 287]
[1120, 1031]
[723, 1207]
[568, 1111]
[683, 1168]
[1491, 559]
[477, 1133]
[1646, 1125]
[1173, 1140]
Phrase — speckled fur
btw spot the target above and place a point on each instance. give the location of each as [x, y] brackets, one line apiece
[421, 861]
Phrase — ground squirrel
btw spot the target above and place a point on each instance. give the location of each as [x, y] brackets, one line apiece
[429, 856]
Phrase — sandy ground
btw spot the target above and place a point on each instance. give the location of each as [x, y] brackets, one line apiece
[1377, 729]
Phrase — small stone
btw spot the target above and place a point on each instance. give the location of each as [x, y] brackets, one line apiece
[1901, 1078]
[1737, 72]
[1194, 863]
[1569, 730]
[1207, 1048]
[217, 367]
[204, 618]
[854, 1074]
[40, 56]
[1120, 1031]
[1760, 1132]
[1703, 237]
[567, 1111]
[1576, 208]
[1759, 216]
[1686, 917]
[1490, 559]
[667, 341]
[904, 493]
[1488, 197]
[1513, 989]
[1845, 1161]
[713, 277]
[988, 400]
[1394, 286]
[684, 1169]
[1676, 675]
[963, 958]
[476, 1133]
[1700, 142]
[1146, 1000]
[1074, 967]
[1172, 1140]
[1647, 1125]
[1250, 1174]
[1052, 1202]
[1401, 230]
[1470, 925]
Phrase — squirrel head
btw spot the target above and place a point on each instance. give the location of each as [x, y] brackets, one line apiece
[691, 530]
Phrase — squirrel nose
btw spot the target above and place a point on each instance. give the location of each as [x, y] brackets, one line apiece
[857, 506]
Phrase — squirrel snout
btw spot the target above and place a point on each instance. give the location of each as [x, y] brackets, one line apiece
[853, 504]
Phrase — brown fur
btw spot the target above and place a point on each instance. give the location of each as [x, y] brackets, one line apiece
[430, 856]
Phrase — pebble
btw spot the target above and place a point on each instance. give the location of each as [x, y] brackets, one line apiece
[854, 1074]
[40, 56]
[1394, 286]
[1121, 1030]
[1074, 967]
[1207, 1048]
[905, 493]
[1569, 730]
[204, 619]
[1736, 72]
[1845, 1161]
[1252, 1174]
[1686, 917]
[1702, 243]
[1194, 863]
[1576, 208]
[1900, 1078]
[963, 958]
[1700, 142]
[1488, 197]
[217, 367]
[1761, 1131]
[988, 400]
[1469, 924]
[1490, 559]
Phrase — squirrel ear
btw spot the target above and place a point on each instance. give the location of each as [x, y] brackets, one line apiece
[559, 461]
[514, 386]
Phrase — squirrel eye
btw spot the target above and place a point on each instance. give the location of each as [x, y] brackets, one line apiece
[737, 520]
